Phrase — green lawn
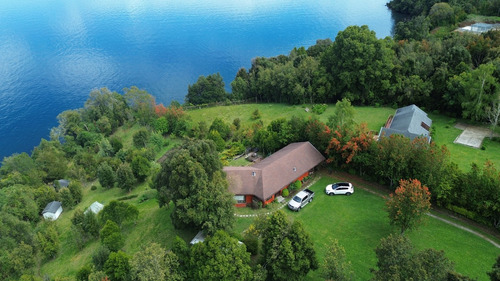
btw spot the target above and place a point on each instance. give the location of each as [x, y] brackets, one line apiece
[375, 117]
[446, 133]
[360, 221]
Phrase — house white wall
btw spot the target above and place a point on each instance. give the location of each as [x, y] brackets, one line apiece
[52, 216]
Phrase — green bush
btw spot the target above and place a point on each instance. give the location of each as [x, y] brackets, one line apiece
[319, 108]
[93, 187]
[285, 192]
[127, 197]
[256, 115]
[462, 211]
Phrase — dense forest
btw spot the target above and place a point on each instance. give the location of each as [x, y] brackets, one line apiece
[457, 74]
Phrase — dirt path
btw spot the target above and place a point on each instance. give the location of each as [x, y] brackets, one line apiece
[382, 192]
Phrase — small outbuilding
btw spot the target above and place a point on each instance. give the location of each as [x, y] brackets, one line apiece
[200, 237]
[52, 210]
[95, 208]
[58, 184]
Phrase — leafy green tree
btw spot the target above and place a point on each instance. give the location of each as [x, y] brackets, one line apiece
[142, 104]
[50, 158]
[106, 175]
[397, 260]
[343, 115]
[154, 263]
[217, 139]
[475, 91]
[111, 236]
[21, 163]
[282, 129]
[83, 273]
[140, 167]
[220, 257]
[118, 212]
[442, 14]
[19, 259]
[192, 179]
[104, 126]
[494, 274]
[141, 138]
[222, 127]
[76, 190]
[207, 89]
[360, 65]
[18, 200]
[116, 143]
[97, 276]
[288, 253]
[117, 267]
[70, 122]
[393, 258]
[125, 177]
[103, 102]
[90, 224]
[161, 125]
[335, 266]
[416, 28]
[66, 198]
[47, 240]
[99, 258]
[408, 204]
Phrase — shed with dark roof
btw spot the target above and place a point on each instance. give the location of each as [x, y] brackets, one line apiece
[409, 121]
[266, 179]
[52, 210]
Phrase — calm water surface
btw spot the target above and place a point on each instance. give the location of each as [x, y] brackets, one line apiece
[54, 52]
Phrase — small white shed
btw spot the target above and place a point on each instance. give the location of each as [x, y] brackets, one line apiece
[52, 210]
[95, 208]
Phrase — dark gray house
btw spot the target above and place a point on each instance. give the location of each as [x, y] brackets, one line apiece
[409, 121]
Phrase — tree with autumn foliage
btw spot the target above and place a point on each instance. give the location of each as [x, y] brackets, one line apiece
[346, 143]
[408, 204]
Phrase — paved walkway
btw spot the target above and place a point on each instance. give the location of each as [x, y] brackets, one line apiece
[472, 135]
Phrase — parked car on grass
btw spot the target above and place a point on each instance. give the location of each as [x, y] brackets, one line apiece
[301, 199]
[338, 188]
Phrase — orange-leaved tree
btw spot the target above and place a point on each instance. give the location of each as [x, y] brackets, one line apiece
[408, 204]
[345, 144]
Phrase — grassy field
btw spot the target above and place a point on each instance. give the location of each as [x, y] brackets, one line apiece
[360, 221]
[375, 117]
[446, 133]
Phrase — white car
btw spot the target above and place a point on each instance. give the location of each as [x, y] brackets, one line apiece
[339, 188]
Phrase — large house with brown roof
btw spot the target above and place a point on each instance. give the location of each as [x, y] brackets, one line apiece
[268, 178]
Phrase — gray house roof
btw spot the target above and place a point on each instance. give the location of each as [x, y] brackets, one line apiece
[62, 183]
[274, 172]
[52, 207]
[410, 121]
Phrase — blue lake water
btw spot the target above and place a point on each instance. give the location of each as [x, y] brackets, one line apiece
[54, 52]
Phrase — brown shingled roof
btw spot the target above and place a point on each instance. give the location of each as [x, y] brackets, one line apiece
[274, 172]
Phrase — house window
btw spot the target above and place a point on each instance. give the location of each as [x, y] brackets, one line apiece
[253, 174]
[239, 198]
[295, 169]
[425, 126]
